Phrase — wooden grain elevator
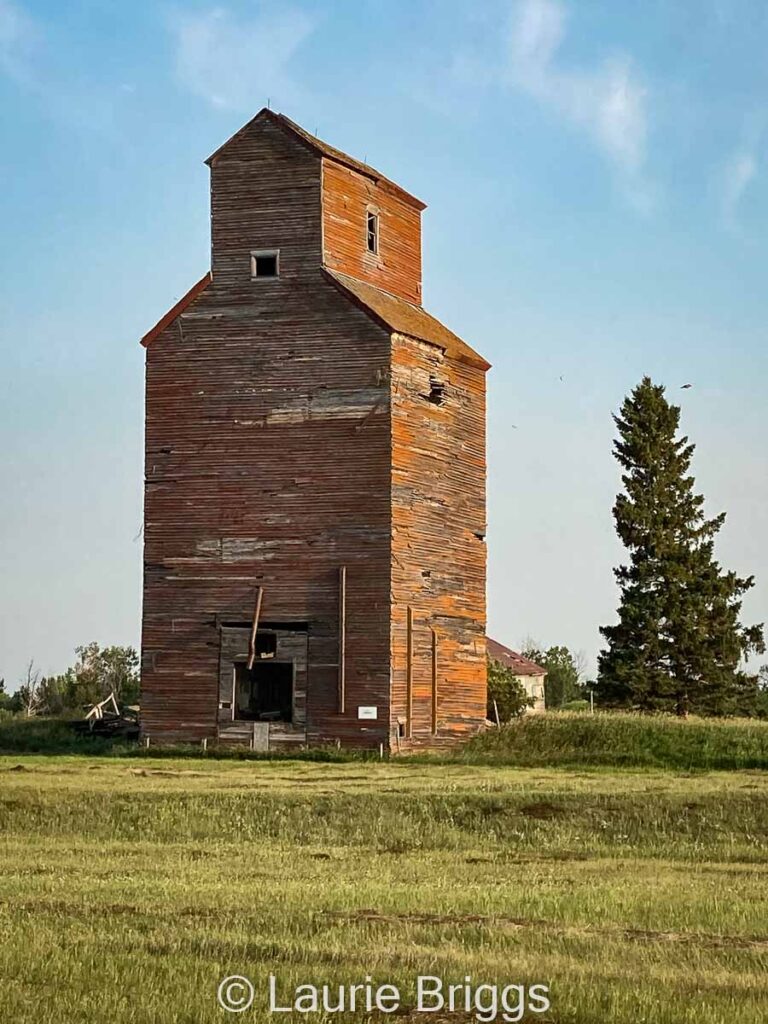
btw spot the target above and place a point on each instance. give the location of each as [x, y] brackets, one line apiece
[314, 528]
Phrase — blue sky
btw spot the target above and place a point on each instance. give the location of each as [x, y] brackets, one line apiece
[596, 180]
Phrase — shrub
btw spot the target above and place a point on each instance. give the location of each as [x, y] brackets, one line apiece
[506, 693]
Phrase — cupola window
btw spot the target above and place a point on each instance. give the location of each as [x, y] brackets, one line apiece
[372, 231]
[265, 263]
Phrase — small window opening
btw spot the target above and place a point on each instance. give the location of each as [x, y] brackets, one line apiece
[436, 391]
[265, 264]
[400, 730]
[265, 692]
[372, 231]
[266, 645]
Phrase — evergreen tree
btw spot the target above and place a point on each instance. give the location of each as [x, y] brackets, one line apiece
[678, 644]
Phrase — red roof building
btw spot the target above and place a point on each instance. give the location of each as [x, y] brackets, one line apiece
[530, 675]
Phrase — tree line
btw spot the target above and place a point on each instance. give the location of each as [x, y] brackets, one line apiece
[96, 673]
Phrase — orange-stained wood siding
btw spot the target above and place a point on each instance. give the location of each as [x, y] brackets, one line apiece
[438, 556]
[347, 195]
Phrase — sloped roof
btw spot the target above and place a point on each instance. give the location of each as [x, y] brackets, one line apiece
[403, 317]
[322, 149]
[393, 313]
[511, 659]
[174, 311]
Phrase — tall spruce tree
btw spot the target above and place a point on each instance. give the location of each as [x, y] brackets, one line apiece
[679, 644]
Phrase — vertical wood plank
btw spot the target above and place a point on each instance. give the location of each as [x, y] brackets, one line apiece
[434, 683]
[342, 638]
[255, 628]
[409, 673]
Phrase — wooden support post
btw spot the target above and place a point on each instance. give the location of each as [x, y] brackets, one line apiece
[409, 673]
[342, 681]
[254, 628]
[434, 683]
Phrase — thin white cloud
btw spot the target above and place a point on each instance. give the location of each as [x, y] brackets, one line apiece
[237, 63]
[740, 171]
[17, 33]
[607, 101]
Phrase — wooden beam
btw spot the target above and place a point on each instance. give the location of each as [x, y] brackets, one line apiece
[409, 673]
[434, 683]
[342, 683]
[254, 628]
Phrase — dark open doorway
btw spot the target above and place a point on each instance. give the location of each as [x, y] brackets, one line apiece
[265, 692]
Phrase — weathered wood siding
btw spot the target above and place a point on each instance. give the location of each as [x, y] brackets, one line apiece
[438, 556]
[347, 195]
[290, 436]
[267, 461]
[265, 194]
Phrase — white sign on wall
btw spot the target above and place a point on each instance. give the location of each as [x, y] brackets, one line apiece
[368, 713]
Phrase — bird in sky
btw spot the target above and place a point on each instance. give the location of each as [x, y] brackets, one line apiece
[684, 386]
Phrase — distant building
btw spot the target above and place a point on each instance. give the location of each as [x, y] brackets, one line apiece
[530, 675]
[314, 528]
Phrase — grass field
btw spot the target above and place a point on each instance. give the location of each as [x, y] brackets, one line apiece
[565, 739]
[130, 887]
[624, 740]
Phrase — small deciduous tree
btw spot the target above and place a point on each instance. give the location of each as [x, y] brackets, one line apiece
[8, 702]
[505, 693]
[30, 697]
[99, 672]
[563, 669]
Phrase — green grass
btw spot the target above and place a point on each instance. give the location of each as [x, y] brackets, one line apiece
[130, 887]
[20, 735]
[567, 739]
[624, 740]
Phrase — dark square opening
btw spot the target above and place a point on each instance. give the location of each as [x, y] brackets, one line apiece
[266, 645]
[265, 692]
[436, 391]
[265, 265]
